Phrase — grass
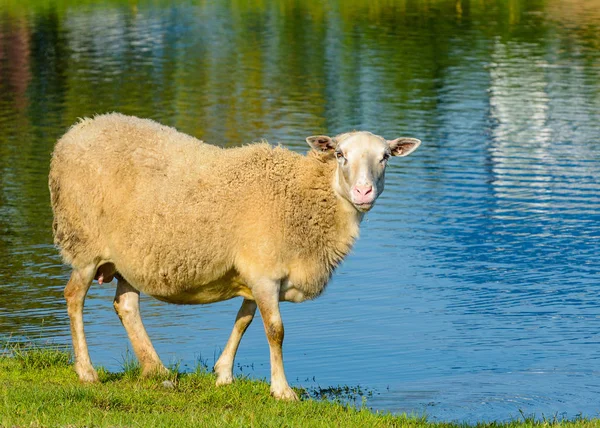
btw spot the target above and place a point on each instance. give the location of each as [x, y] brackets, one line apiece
[38, 387]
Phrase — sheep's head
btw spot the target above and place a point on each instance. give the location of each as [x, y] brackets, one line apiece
[361, 161]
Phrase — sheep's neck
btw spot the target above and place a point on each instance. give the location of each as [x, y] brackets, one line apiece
[340, 226]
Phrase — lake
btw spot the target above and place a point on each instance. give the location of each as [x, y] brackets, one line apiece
[473, 292]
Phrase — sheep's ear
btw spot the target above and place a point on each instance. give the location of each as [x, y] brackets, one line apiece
[403, 146]
[322, 143]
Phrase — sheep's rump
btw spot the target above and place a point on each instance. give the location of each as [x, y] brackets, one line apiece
[140, 195]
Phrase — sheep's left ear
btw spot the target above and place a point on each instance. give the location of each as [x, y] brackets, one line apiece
[403, 146]
[321, 143]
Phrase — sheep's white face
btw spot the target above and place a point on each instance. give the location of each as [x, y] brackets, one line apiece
[361, 161]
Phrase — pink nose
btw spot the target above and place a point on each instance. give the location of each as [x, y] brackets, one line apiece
[363, 194]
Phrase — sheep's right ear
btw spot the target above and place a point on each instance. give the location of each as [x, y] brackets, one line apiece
[322, 143]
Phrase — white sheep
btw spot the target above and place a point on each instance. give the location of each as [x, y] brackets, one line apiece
[188, 222]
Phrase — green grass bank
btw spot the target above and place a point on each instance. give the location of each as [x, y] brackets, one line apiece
[39, 388]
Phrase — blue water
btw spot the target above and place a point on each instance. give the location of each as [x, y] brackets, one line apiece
[472, 293]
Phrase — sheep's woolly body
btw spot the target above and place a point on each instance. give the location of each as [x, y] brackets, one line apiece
[189, 222]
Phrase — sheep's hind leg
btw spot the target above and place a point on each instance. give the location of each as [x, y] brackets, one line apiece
[75, 292]
[127, 306]
[266, 295]
[224, 365]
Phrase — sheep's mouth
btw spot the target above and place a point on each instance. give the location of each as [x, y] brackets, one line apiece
[364, 207]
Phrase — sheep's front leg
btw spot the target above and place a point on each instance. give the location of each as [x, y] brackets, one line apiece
[75, 293]
[224, 365]
[266, 295]
[127, 306]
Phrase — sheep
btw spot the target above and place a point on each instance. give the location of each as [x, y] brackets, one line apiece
[189, 223]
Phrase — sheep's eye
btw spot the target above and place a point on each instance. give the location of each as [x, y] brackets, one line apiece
[339, 155]
[385, 158]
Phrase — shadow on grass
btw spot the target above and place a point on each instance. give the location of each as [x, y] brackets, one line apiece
[132, 370]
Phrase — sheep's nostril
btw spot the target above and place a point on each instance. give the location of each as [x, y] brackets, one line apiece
[363, 190]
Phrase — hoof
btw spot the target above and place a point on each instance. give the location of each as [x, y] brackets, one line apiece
[158, 370]
[86, 374]
[224, 373]
[224, 379]
[286, 394]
